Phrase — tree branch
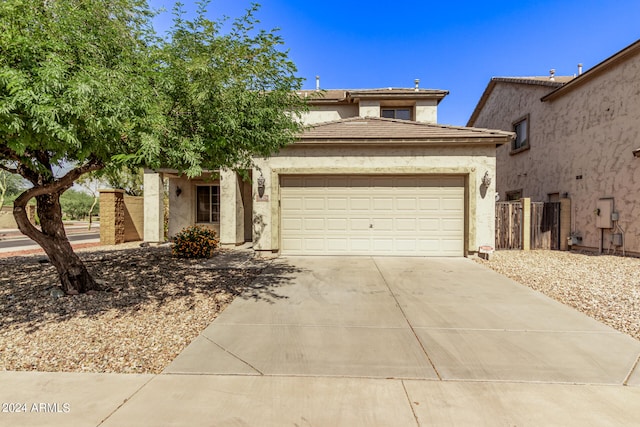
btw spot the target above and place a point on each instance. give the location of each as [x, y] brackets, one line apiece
[59, 184]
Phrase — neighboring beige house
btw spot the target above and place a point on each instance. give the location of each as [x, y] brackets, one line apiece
[373, 175]
[577, 138]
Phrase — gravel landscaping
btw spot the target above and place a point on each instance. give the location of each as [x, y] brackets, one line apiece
[604, 287]
[157, 305]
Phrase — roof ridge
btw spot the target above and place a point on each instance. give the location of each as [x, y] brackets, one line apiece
[480, 131]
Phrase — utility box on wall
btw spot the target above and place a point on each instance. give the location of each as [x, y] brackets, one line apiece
[604, 209]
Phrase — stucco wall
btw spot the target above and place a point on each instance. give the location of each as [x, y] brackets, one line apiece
[588, 133]
[182, 208]
[471, 162]
[427, 111]
[329, 113]
[133, 218]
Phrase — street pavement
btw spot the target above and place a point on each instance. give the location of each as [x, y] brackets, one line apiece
[12, 240]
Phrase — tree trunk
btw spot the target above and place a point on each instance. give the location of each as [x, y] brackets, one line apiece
[73, 274]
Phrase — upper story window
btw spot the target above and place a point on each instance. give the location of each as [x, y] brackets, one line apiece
[521, 128]
[396, 113]
[207, 203]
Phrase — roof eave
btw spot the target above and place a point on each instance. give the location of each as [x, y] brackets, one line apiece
[492, 141]
[593, 72]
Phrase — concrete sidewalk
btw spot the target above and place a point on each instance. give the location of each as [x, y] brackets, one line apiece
[366, 342]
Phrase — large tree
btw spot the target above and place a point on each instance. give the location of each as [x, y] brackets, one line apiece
[87, 83]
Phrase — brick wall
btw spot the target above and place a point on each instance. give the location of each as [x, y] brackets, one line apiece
[111, 217]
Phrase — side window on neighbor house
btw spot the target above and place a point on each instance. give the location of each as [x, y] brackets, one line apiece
[521, 128]
[396, 113]
[514, 195]
[207, 203]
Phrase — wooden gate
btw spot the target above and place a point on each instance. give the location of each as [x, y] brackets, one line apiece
[509, 218]
[545, 225]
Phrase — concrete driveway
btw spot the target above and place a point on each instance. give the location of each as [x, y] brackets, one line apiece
[359, 341]
[408, 318]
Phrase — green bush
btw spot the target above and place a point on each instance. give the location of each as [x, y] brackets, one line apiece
[195, 242]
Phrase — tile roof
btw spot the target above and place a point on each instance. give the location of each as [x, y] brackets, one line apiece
[380, 130]
[350, 95]
[553, 85]
[609, 63]
[536, 80]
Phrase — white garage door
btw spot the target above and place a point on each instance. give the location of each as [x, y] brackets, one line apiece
[372, 215]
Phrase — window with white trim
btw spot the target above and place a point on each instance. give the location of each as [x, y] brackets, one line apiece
[207, 203]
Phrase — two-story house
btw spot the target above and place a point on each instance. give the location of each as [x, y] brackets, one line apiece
[577, 139]
[374, 174]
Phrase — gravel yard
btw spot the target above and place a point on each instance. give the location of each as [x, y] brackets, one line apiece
[604, 287]
[159, 304]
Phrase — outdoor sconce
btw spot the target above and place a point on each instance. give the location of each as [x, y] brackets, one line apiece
[636, 152]
[261, 186]
[486, 179]
[178, 191]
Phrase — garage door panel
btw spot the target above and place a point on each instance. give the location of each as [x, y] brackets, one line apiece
[452, 225]
[406, 224]
[451, 204]
[314, 203]
[337, 244]
[292, 244]
[383, 224]
[292, 224]
[429, 225]
[314, 244]
[359, 244]
[406, 204]
[360, 204]
[292, 203]
[338, 181]
[377, 215]
[382, 245]
[356, 224]
[383, 204]
[337, 224]
[360, 182]
[337, 204]
[406, 245]
[314, 224]
[429, 204]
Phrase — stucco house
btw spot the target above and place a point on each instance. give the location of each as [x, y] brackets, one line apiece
[577, 139]
[374, 174]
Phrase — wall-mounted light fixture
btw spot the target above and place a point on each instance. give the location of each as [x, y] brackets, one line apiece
[178, 191]
[261, 181]
[486, 179]
[636, 152]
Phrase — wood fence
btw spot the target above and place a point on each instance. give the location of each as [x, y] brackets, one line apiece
[509, 220]
[544, 227]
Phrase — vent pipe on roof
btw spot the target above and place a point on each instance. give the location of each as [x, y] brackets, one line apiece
[417, 83]
[552, 74]
[317, 83]
[579, 69]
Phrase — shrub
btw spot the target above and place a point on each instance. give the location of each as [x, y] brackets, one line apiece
[195, 242]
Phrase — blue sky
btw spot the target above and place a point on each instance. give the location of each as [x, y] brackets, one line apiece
[456, 45]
